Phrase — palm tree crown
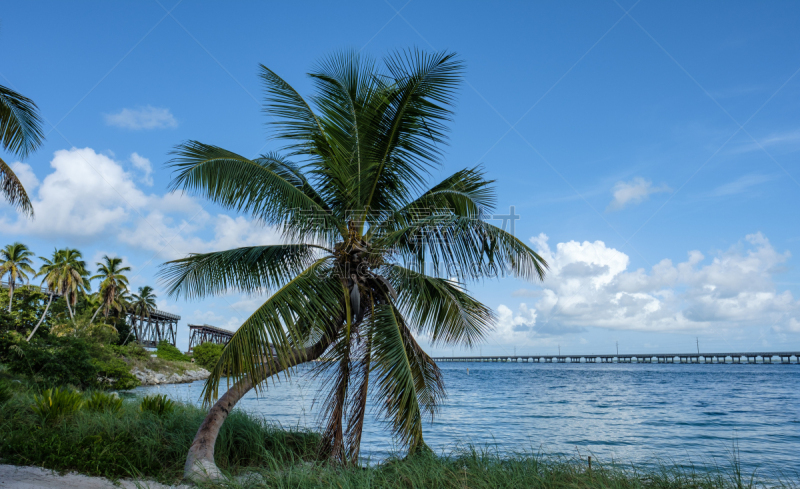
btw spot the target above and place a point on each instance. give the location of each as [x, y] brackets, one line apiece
[369, 251]
[113, 283]
[16, 263]
[20, 134]
[143, 303]
[66, 274]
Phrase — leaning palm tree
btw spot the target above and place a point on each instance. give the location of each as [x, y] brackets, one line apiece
[51, 271]
[15, 261]
[20, 134]
[369, 251]
[142, 304]
[112, 286]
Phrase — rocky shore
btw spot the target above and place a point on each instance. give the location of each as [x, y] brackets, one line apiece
[151, 377]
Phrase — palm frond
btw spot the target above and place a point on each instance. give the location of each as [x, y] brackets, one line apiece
[20, 124]
[12, 189]
[440, 308]
[273, 332]
[413, 126]
[394, 375]
[463, 247]
[253, 187]
[250, 269]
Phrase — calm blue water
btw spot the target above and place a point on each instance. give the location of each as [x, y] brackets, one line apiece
[631, 413]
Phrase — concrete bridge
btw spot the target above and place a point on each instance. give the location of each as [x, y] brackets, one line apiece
[791, 357]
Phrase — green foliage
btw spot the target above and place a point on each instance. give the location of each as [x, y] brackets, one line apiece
[113, 373]
[130, 350]
[6, 393]
[166, 351]
[207, 354]
[57, 403]
[120, 444]
[55, 361]
[100, 402]
[158, 405]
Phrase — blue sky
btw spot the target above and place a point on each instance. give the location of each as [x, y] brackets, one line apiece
[650, 148]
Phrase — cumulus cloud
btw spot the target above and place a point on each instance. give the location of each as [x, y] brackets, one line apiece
[90, 195]
[85, 194]
[148, 117]
[24, 172]
[590, 285]
[143, 164]
[631, 193]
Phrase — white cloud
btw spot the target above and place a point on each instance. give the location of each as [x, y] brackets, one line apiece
[148, 117]
[143, 164]
[24, 172]
[589, 285]
[634, 192]
[90, 195]
[85, 194]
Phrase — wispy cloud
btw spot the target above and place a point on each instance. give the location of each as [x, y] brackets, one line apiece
[142, 118]
[787, 138]
[741, 184]
[631, 193]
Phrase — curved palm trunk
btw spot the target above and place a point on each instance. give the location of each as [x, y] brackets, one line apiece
[10, 294]
[69, 309]
[44, 315]
[200, 459]
[95, 314]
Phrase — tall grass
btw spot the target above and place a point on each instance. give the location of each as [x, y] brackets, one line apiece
[131, 442]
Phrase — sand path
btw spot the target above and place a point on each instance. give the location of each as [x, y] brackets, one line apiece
[14, 477]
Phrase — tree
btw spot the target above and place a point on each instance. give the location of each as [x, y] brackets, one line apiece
[51, 271]
[112, 286]
[369, 250]
[142, 304]
[20, 133]
[16, 263]
[73, 277]
[207, 354]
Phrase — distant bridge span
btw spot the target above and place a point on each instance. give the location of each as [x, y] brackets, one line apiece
[792, 357]
[203, 333]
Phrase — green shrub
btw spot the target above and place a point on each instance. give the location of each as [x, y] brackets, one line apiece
[207, 354]
[5, 392]
[57, 403]
[159, 405]
[166, 351]
[114, 374]
[100, 402]
[55, 361]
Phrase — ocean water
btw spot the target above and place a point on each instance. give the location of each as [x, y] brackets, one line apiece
[639, 413]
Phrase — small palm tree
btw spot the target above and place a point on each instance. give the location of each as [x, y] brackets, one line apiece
[112, 286]
[371, 249]
[142, 304]
[20, 134]
[16, 263]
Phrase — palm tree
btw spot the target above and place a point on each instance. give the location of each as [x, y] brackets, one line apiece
[51, 272]
[142, 304]
[16, 262]
[73, 278]
[113, 284]
[367, 249]
[20, 134]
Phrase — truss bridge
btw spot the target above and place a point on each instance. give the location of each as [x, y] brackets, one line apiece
[159, 326]
[204, 333]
